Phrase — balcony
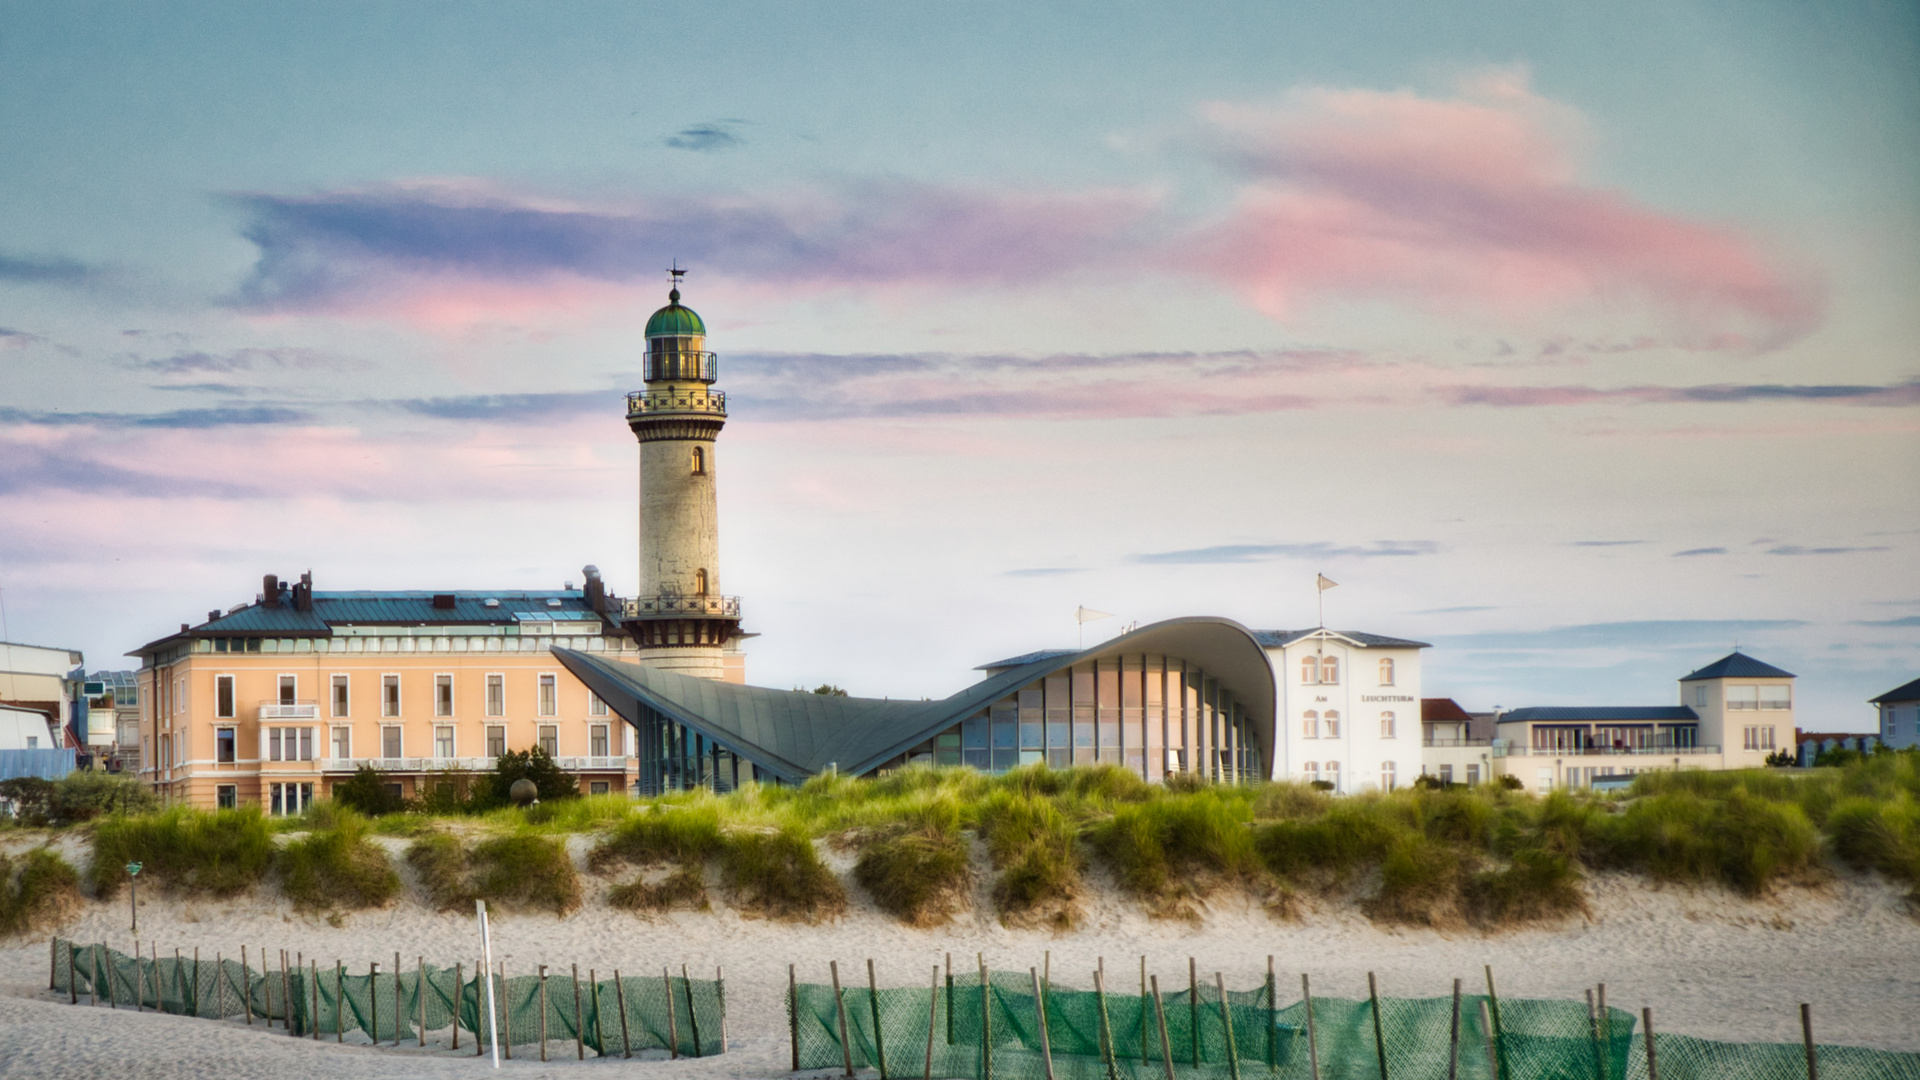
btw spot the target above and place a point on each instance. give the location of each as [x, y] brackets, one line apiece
[584, 763]
[1435, 740]
[289, 710]
[1500, 749]
[676, 364]
[649, 402]
[681, 607]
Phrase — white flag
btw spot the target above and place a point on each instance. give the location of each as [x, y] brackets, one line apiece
[1325, 582]
[1086, 615]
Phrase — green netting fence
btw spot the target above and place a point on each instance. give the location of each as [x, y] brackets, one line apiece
[681, 1015]
[964, 1026]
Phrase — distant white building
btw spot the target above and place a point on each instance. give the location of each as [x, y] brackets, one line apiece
[44, 679]
[1899, 710]
[1347, 707]
[27, 729]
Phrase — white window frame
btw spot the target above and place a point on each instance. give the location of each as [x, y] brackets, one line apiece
[1386, 671]
[334, 732]
[400, 736]
[496, 680]
[280, 695]
[443, 680]
[340, 705]
[1389, 775]
[1329, 671]
[502, 729]
[1330, 770]
[443, 732]
[595, 707]
[545, 733]
[233, 741]
[393, 703]
[233, 698]
[1310, 671]
[1330, 723]
[599, 735]
[1389, 724]
[547, 694]
[1310, 724]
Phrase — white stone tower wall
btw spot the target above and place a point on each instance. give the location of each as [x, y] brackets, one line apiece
[679, 519]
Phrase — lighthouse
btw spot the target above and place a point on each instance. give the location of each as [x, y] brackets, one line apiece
[680, 618]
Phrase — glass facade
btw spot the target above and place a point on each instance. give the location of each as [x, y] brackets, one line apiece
[674, 757]
[1151, 715]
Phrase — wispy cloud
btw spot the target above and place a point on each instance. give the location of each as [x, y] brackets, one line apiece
[254, 359]
[509, 406]
[1896, 394]
[1656, 633]
[1907, 620]
[27, 269]
[1045, 571]
[1606, 543]
[707, 137]
[1456, 610]
[174, 418]
[1796, 549]
[1246, 553]
[17, 339]
[1700, 551]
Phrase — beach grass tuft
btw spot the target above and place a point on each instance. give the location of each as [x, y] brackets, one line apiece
[336, 867]
[218, 853]
[37, 889]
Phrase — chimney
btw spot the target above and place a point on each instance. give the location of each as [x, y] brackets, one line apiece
[303, 593]
[596, 589]
[184, 627]
[213, 615]
[443, 601]
[270, 590]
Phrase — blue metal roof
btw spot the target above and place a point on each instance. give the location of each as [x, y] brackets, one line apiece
[1738, 666]
[404, 608]
[1909, 692]
[1598, 713]
[1274, 639]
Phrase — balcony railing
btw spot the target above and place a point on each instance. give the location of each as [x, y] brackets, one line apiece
[681, 607]
[671, 363]
[1432, 740]
[1601, 751]
[645, 402]
[289, 710]
[576, 763]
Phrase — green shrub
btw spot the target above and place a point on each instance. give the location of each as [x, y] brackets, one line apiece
[687, 835]
[521, 871]
[1035, 847]
[1883, 835]
[685, 888]
[1328, 849]
[493, 790]
[187, 852]
[1172, 851]
[337, 867]
[80, 796]
[440, 862]
[37, 889]
[1711, 832]
[369, 792]
[917, 869]
[1420, 884]
[779, 875]
[1535, 885]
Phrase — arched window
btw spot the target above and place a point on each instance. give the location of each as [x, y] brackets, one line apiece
[1386, 671]
[1386, 775]
[699, 583]
[1386, 725]
[1310, 670]
[1311, 770]
[699, 460]
[1333, 774]
[1329, 669]
[1330, 723]
[1310, 725]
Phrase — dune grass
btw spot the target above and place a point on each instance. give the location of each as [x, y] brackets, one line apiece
[519, 871]
[918, 870]
[37, 889]
[220, 853]
[335, 867]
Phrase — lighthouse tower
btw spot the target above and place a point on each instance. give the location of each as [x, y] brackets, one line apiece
[680, 618]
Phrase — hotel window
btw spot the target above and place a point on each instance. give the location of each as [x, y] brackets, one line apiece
[1386, 671]
[1333, 774]
[549, 695]
[390, 695]
[1386, 725]
[1310, 725]
[1473, 775]
[1700, 696]
[496, 740]
[1759, 738]
[1329, 670]
[226, 796]
[390, 741]
[223, 696]
[597, 740]
[343, 743]
[699, 461]
[1387, 775]
[1330, 726]
[1776, 697]
[598, 787]
[289, 799]
[289, 689]
[496, 695]
[1310, 670]
[550, 739]
[1446, 774]
[1743, 697]
[443, 695]
[596, 707]
[340, 697]
[1311, 770]
[443, 741]
[290, 744]
[223, 740]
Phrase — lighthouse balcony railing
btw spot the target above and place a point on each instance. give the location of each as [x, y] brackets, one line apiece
[682, 364]
[681, 607]
[642, 402]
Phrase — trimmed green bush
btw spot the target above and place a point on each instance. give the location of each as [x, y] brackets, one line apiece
[369, 792]
[186, 852]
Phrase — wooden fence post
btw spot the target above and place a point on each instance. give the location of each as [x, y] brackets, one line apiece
[793, 1015]
[246, 984]
[1493, 1055]
[340, 1003]
[1160, 1021]
[1806, 1035]
[1453, 1036]
[933, 1016]
[720, 988]
[873, 1003]
[1106, 1025]
[1193, 1007]
[840, 1010]
[1313, 1046]
[1646, 1025]
[1379, 1036]
[1040, 1007]
[986, 1019]
[541, 971]
[620, 999]
[1226, 1018]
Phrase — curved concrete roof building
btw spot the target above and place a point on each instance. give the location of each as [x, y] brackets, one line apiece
[1185, 695]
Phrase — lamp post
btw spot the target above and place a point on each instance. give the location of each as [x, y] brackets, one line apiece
[133, 893]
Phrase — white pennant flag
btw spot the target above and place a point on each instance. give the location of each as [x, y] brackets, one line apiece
[1325, 582]
[1086, 615]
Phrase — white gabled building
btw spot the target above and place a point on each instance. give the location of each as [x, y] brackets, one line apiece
[1899, 715]
[1347, 708]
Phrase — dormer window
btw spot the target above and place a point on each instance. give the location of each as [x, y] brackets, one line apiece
[1329, 670]
[1310, 670]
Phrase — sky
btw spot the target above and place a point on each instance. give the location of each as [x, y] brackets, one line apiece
[1575, 339]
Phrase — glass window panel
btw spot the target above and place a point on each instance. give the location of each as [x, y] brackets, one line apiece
[1083, 685]
[975, 758]
[1006, 736]
[1031, 696]
[1135, 762]
[1083, 734]
[973, 733]
[1005, 759]
[1156, 681]
[1059, 759]
[1031, 757]
[1059, 734]
[1083, 755]
[946, 757]
[1109, 685]
[1030, 735]
[1109, 733]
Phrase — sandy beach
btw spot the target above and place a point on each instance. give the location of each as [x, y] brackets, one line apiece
[1709, 964]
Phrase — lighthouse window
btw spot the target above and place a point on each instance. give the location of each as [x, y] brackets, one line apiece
[699, 461]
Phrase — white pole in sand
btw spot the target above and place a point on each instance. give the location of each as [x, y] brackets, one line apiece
[486, 952]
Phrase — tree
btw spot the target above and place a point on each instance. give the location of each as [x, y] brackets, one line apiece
[829, 690]
[532, 764]
[368, 792]
[1509, 781]
[1782, 759]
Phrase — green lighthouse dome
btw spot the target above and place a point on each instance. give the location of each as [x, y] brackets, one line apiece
[675, 320]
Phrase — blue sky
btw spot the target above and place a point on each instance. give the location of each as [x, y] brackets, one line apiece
[1573, 338]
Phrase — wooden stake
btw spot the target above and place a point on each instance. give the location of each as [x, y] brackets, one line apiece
[1160, 1021]
[1497, 1032]
[1106, 1027]
[620, 999]
[93, 980]
[420, 995]
[1143, 1007]
[599, 1036]
[246, 985]
[1046, 967]
[480, 1006]
[873, 1001]
[1273, 1008]
[720, 988]
[459, 993]
[1193, 1007]
[933, 1015]
[542, 973]
[986, 1019]
[1226, 1018]
[1379, 1036]
[840, 1011]
[340, 1005]
[1806, 1035]
[314, 974]
[673, 1022]
[793, 1015]
[504, 1014]
[286, 993]
[580, 1021]
[1040, 1005]
[693, 1018]
[112, 997]
[1593, 1033]
[398, 1015]
[158, 1005]
[1313, 1046]
[1493, 1055]
[73, 976]
[950, 999]
[1453, 1036]
[53, 962]
[1646, 1025]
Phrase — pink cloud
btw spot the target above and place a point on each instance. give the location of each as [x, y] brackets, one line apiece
[1472, 205]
